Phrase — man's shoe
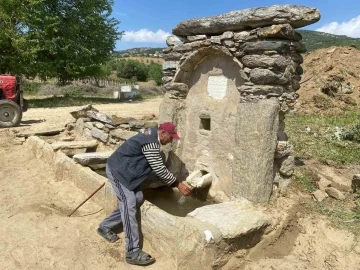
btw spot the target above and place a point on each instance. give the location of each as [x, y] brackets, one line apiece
[108, 234]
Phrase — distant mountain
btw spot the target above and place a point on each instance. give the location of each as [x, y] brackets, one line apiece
[317, 40]
[313, 40]
[145, 51]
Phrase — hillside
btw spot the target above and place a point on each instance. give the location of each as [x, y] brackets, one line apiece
[145, 51]
[147, 59]
[316, 40]
[331, 81]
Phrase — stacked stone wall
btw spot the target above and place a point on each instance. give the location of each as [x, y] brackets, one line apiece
[267, 49]
[269, 61]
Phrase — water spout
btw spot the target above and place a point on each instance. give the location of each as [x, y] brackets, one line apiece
[199, 179]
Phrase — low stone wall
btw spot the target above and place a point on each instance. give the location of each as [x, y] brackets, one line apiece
[66, 169]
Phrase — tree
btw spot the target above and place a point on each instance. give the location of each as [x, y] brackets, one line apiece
[132, 68]
[155, 73]
[11, 32]
[62, 38]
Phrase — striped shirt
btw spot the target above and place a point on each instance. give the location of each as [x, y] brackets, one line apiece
[151, 152]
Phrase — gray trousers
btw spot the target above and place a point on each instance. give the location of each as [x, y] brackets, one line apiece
[129, 202]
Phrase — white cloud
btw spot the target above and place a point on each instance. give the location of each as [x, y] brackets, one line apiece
[121, 14]
[145, 35]
[350, 28]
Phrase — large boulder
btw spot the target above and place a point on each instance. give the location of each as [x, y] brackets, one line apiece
[296, 16]
[266, 61]
[280, 46]
[282, 31]
[233, 219]
[265, 77]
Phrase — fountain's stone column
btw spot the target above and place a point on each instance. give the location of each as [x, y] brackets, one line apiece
[256, 132]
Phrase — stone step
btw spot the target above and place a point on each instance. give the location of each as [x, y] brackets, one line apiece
[123, 134]
[92, 158]
[48, 132]
[74, 144]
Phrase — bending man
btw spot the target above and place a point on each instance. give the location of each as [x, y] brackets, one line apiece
[126, 169]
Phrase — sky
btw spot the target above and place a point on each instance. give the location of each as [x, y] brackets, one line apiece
[147, 23]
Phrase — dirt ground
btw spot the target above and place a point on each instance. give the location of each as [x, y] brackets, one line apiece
[308, 242]
[35, 230]
[326, 67]
[37, 234]
[48, 118]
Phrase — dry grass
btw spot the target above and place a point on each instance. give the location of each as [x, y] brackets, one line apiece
[146, 60]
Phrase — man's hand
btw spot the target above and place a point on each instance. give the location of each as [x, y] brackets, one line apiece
[184, 189]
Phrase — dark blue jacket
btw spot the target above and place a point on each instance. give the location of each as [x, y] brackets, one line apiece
[128, 164]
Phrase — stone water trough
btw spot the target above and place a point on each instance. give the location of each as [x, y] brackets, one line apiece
[230, 80]
[205, 237]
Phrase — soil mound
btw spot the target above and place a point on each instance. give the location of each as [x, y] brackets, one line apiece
[330, 82]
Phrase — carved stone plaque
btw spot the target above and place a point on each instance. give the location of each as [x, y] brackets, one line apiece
[217, 86]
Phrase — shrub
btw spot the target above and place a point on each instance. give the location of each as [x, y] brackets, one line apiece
[353, 134]
[75, 91]
[155, 73]
[31, 88]
[322, 102]
[152, 91]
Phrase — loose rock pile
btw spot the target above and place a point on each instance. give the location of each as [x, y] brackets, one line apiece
[284, 166]
[330, 187]
[111, 131]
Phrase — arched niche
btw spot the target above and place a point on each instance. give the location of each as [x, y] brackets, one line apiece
[209, 114]
[196, 57]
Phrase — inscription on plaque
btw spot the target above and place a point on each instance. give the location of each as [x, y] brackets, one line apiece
[217, 86]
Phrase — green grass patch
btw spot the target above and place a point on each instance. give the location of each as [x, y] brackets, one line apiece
[323, 141]
[31, 88]
[343, 214]
[305, 179]
[67, 101]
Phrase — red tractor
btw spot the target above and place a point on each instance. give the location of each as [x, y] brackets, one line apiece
[12, 102]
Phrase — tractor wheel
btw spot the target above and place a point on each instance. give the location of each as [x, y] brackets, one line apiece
[10, 113]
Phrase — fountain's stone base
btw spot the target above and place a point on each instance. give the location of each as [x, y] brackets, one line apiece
[206, 237]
